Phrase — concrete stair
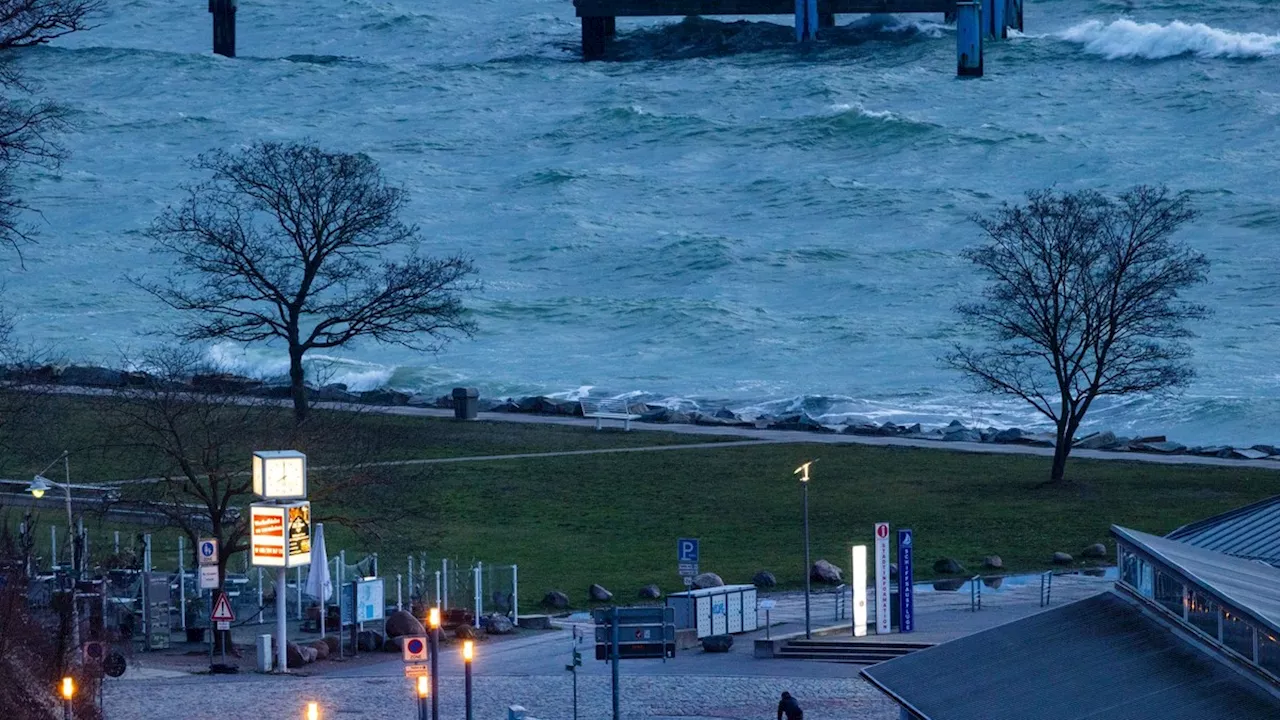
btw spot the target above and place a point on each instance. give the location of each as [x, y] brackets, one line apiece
[855, 652]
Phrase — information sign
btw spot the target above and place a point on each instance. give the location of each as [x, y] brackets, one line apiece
[281, 534]
[370, 603]
[906, 593]
[859, 590]
[883, 626]
[208, 577]
[208, 551]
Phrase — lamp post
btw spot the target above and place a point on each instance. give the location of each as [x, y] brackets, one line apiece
[313, 711]
[68, 692]
[424, 690]
[433, 620]
[38, 487]
[803, 472]
[468, 654]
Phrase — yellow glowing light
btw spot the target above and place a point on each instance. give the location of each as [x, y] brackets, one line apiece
[424, 686]
[37, 493]
[468, 650]
[803, 471]
[68, 688]
[433, 618]
[313, 711]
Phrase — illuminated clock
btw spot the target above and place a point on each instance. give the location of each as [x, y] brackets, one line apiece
[280, 474]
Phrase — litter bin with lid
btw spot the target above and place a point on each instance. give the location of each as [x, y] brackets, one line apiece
[466, 403]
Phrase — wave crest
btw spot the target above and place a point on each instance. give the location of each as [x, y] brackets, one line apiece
[1126, 39]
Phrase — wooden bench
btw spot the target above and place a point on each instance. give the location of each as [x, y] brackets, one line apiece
[608, 409]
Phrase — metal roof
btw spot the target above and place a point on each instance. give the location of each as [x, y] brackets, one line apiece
[1252, 588]
[1101, 657]
[1251, 532]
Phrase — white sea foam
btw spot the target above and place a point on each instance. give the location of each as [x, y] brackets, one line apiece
[1152, 41]
[274, 365]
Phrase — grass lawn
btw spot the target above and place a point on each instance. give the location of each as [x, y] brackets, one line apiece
[614, 518]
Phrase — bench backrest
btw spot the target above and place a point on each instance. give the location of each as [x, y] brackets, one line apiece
[614, 406]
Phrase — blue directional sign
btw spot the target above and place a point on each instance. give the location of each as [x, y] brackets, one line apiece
[208, 551]
[906, 592]
[687, 550]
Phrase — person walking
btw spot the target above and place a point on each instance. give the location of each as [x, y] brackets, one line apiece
[789, 707]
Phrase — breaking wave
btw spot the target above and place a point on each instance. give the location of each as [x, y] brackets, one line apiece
[1126, 39]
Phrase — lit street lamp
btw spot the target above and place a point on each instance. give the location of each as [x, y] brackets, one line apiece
[38, 487]
[433, 620]
[803, 472]
[313, 711]
[468, 654]
[424, 690]
[68, 692]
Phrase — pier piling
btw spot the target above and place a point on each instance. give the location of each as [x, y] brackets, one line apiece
[595, 30]
[969, 34]
[826, 20]
[806, 20]
[224, 26]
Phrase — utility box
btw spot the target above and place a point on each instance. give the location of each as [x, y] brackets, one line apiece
[466, 403]
[725, 610]
[264, 654]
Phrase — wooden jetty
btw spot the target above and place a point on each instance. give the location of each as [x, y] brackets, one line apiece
[975, 21]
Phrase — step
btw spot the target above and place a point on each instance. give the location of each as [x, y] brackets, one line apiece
[860, 645]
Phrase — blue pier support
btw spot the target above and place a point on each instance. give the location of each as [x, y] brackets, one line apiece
[969, 32]
[993, 19]
[806, 20]
[1013, 14]
[224, 27]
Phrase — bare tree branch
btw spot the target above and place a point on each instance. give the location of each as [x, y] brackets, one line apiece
[1083, 300]
[288, 242]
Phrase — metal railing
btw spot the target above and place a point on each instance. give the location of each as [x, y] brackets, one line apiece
[975, 593]
[1046, 587]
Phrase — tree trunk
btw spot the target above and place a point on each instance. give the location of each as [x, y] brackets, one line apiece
[1062, 449]
[298, 386]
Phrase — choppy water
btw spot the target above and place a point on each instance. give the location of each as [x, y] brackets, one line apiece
[716, 216]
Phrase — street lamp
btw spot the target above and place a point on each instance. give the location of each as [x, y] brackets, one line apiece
[433, 620]
[803, 472]
[424, 691]
[38, 487]
[68, 692]
[468, 654]
[313, 711]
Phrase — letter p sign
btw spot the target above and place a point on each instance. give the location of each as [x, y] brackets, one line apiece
[687, 550]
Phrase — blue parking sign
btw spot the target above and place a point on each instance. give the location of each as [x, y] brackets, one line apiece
[687, 550]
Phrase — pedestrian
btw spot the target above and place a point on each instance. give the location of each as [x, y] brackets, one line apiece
[788, 706]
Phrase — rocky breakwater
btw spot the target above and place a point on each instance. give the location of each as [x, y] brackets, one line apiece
[96, 377]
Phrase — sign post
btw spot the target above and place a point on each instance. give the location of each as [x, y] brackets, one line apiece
[859, 590]
[633, 632]
[906, 594]
[883, 619]
[222, 617]
[687, 559]
[281, 529]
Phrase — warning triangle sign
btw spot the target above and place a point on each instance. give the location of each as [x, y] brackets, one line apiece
[222, 610]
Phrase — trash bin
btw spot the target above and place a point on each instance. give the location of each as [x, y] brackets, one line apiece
[466, 403]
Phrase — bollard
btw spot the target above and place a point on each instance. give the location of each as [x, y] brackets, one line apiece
[968, 39]
[264, 653]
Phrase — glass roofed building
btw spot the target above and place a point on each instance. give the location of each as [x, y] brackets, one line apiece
[1186, 634]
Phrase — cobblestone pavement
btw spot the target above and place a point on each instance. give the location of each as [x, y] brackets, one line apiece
[545, 697]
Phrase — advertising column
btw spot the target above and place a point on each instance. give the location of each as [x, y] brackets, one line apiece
[859, 590]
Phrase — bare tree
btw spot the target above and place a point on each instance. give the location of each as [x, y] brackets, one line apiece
[290, 243]
[28, 129]
[1083, 300]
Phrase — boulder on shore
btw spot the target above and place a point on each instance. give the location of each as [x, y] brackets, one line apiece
[707, 580]
[401, 622]
[464, 632]
[498, 624]
[992, 562]
[651, 592]
[764, 579]
[1096, 551]
[598, 593]
[555, 600]
[1061, 558]
[824, 572]
[717, 643]
[322, 649]
[948, 566]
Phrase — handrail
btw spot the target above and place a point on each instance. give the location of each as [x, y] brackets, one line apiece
[975, 593]
[1046, 587]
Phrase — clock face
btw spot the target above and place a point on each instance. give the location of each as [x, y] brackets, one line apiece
[282, 477]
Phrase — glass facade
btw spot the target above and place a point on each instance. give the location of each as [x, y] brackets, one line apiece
[1269, 653]
[1237, 634]
[1169, 591]
[1203, 614]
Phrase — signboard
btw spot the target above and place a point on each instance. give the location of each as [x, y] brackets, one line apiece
[94, 652]
[906, 594]
[224, 625]
[280, 474]
[207, 550]
[222, 610]
[687, 558]
[643, 632]
[281, 534]
[859, 590]
[208, 577]
[768, 604]
[346, 603]
[415, 671]
[414, 648]
[882, 580]
[370, 603]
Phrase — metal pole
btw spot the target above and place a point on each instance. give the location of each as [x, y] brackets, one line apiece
[75, 577]
[468, 689]
[807, 567]
[399, 594]
[411, 582]
[182, 583]
[117, 542]
[53, 548]
[439, 602]
[444, 571]
[515, 596]
[435, 672]
[613, 655]
[282, 631]
[478, 579]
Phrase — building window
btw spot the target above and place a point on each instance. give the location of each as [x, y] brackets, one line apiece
[1169, 593]
[1269, 653]
[1237, 634]
[1203, 614]
[1129, 568]
[1146, 579]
